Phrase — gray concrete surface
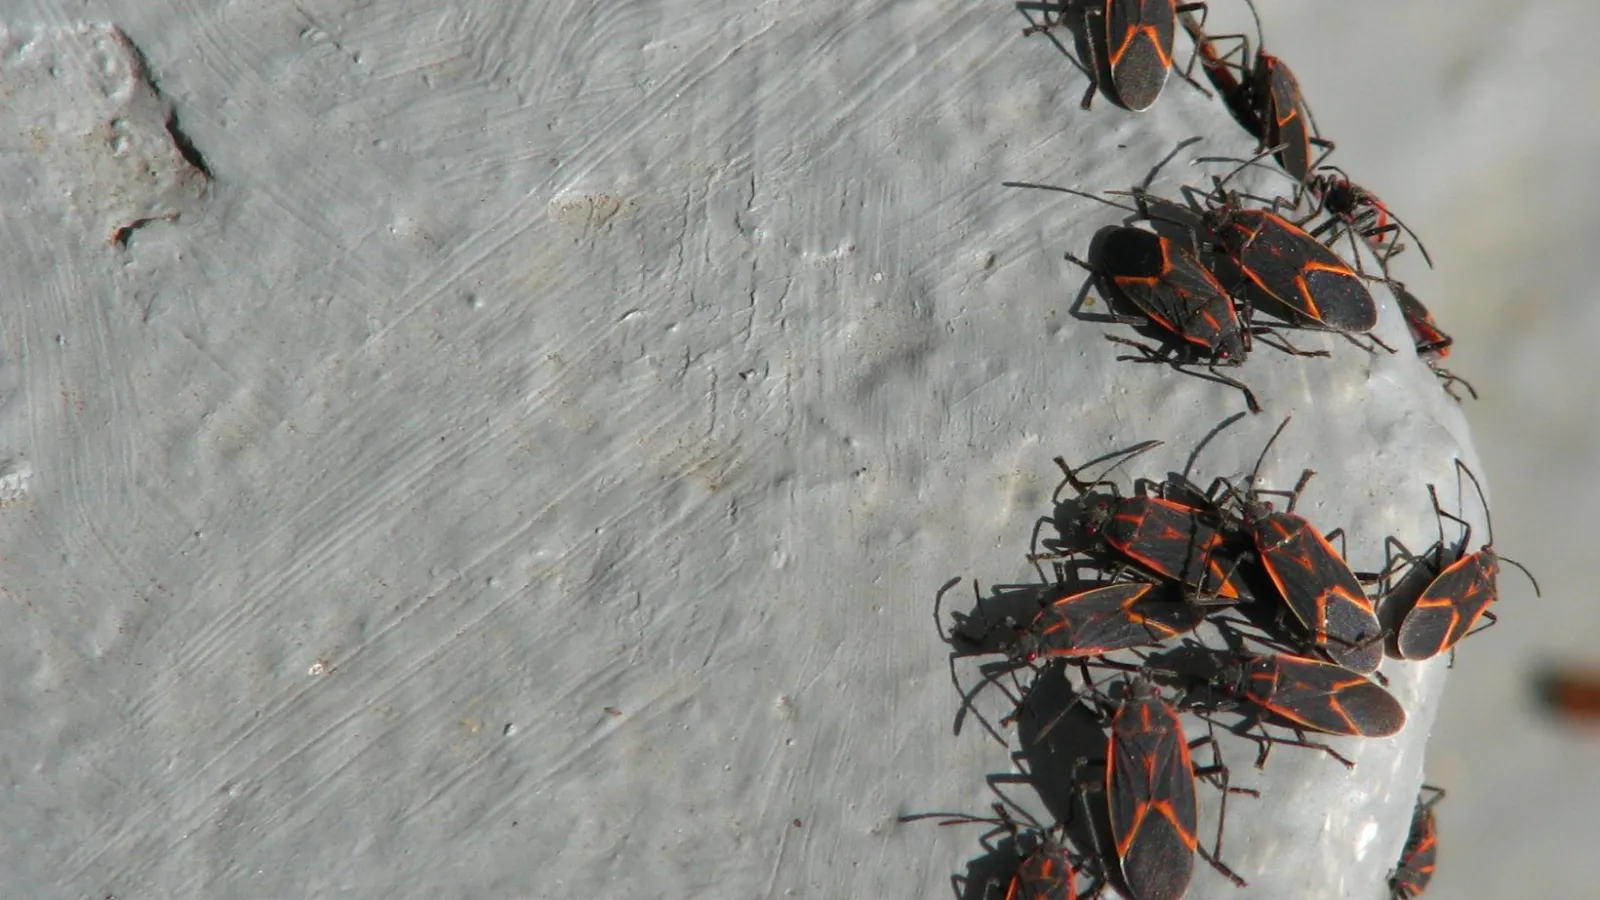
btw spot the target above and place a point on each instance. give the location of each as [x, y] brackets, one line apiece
[514, 452]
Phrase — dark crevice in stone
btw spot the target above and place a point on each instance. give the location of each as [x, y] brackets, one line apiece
[186, 148]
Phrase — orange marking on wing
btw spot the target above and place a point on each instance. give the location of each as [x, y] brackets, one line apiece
[1167, 812]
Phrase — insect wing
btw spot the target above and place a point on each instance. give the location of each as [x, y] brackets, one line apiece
[1150, 789]
[1425, 333]
[1109, 618]
[1208, 317]
[1170, 286]
[1170, 540]
[1321, 590]
[1139, 49]
[1450, 606]
[1418, 859]
[1279, 93]
[1324, 697]
[1279, 259]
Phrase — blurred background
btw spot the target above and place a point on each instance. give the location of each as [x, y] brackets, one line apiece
[1474, 121]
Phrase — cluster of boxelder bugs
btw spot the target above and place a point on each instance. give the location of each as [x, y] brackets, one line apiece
[1304, 633]
[1201, 295]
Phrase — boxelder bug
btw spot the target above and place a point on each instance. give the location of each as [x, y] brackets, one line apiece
[1460, 595]
[1044, 870]
[1360, 211]
[1431, 342]
[1417, 860]
[1138, 41]
[1137, 37]
[1169, 285]
[1172, 541]
[1168, 539]
[1265, 96]
[1166, 283]
[1102, 620]
[1151, 798]
[1268, 255]
[1308, 694]
[1312, 577]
